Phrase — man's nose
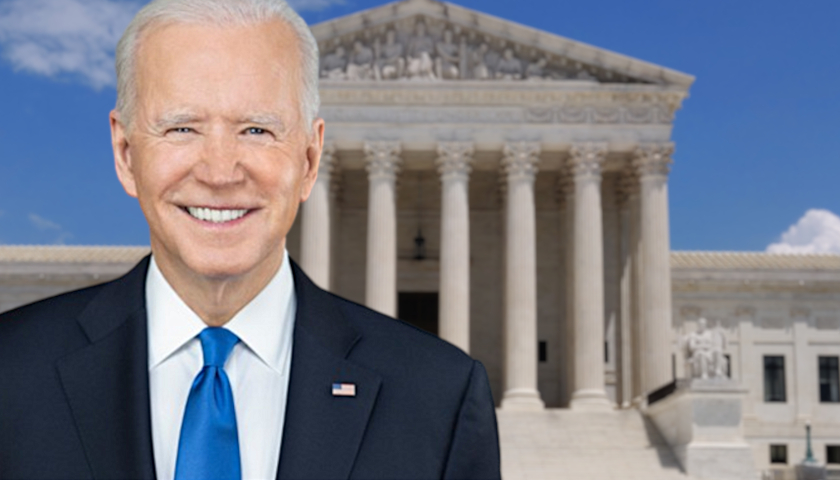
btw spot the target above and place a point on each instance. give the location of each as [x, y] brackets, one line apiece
[221, 162]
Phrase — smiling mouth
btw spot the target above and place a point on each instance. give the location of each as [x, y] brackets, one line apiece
[214, 215]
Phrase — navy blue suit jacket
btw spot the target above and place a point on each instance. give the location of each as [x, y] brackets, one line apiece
[74, 392]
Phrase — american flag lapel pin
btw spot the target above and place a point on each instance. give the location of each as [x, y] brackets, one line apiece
[344, 389]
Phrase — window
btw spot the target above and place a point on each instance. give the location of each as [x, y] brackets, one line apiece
[829, 379]
[543, 353]
[774, 378]
[832, 454]
[778, 454]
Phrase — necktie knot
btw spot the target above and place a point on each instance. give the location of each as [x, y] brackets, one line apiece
[217, 343]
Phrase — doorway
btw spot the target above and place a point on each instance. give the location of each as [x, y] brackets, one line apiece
[419, 309]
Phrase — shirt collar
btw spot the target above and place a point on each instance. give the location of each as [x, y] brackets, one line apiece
[264, 325]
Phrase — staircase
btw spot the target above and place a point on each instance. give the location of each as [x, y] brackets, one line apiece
[561, 444]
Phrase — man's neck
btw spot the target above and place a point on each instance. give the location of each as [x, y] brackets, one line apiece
[216, 300]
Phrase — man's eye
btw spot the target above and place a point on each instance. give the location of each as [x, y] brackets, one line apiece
[181, 130]
[256, 131]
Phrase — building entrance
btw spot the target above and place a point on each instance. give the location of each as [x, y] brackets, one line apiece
[419, 309]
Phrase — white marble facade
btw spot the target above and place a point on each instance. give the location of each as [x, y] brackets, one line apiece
[535, 169]
[511, 150]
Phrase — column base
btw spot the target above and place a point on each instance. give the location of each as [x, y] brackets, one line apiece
[591, 400]
[522, 400]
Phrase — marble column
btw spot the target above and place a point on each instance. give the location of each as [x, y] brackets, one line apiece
[316, 224]
[566, 201]
[454, 159]
[652, 163]
[519, 167]
[383, 165]
[588, 264]
[628, 203]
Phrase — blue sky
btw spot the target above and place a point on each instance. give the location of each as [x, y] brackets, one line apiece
[758, 141]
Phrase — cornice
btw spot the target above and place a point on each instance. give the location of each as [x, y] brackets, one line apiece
[754, 261]
[71, 254]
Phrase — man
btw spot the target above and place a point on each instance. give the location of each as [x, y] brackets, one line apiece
[216, 357]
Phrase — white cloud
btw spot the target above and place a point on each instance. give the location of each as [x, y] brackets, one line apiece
[65, 37]
[818, 231]
[46, 225]
[314, 5]
[42, 223]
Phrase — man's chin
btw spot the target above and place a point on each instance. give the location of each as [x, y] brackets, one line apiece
[221, 268]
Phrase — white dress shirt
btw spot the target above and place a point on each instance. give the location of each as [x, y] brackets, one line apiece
[258, 369]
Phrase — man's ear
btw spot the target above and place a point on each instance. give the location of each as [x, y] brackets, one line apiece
[122, 154]
[313, 158]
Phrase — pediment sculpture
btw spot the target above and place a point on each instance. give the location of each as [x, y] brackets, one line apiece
[433, 50]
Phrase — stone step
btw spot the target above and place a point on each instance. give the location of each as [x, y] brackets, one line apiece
[559, 444]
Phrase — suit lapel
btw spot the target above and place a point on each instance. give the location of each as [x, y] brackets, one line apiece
[107, 384]
[322, 432]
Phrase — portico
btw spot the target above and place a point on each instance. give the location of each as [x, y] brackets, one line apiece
[511, 154]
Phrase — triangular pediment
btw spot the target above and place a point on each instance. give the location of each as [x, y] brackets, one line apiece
[431, 40]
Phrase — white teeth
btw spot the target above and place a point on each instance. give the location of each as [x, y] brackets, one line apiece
[215, 215]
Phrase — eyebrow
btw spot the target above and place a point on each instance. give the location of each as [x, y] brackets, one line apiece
[267, 119]
[168, 120]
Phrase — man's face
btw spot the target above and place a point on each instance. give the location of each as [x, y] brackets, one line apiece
[218, 154]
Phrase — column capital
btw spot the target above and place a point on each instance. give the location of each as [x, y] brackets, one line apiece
[520, 160]
[454, 160]
[586, 159]
[329, 162]
[653, 159]
[383, 159]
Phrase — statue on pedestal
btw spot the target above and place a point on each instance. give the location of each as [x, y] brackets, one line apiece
[705, 352]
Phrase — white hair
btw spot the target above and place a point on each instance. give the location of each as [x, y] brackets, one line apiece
[221, 13]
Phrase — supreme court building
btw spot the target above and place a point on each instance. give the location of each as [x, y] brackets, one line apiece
[510, 181]
[507, 189]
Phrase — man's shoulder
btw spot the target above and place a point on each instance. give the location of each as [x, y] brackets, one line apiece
[397, 346]
[39, 328]
[51, 327]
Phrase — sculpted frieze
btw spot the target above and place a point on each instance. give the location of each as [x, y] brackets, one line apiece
[426, 49]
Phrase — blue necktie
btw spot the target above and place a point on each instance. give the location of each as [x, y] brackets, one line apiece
[209, 445]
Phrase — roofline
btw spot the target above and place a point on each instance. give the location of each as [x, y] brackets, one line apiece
[515, 32]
